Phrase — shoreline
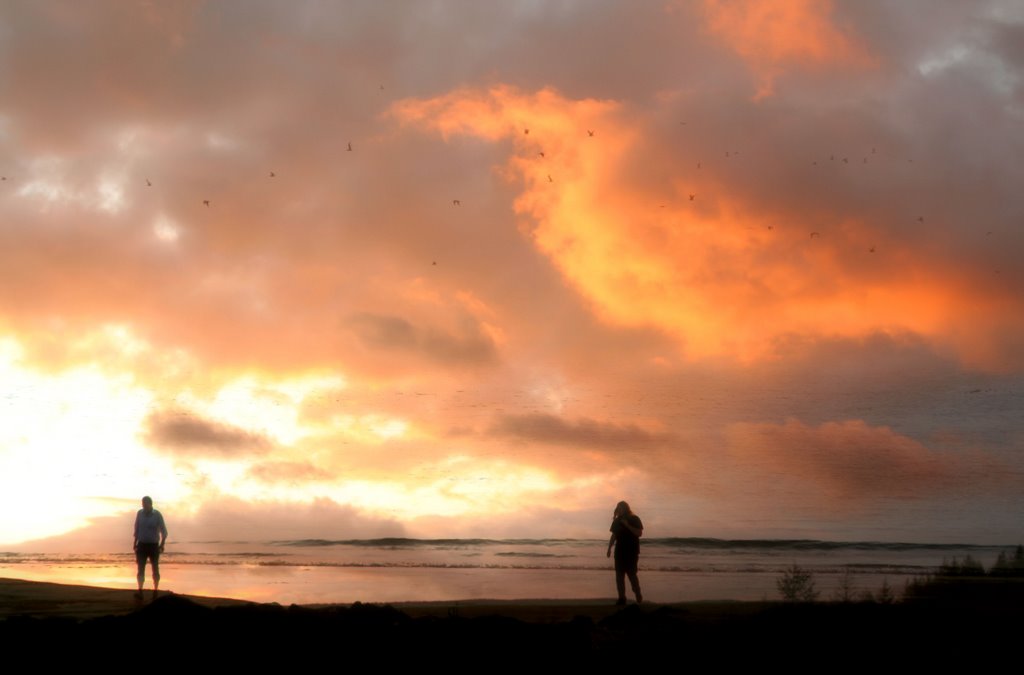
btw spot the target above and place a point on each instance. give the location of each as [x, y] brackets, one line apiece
[42, 599]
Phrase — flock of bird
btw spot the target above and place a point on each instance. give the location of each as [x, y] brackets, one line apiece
[591, 134]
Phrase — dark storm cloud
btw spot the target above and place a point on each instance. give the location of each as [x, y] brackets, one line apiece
[585, 433]
[472, 347]
[185, 434]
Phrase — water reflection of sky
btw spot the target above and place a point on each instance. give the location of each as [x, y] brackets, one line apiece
[498, 570]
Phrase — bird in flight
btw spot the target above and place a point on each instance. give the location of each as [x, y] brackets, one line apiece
[456, 202]
[272, 174]
[541, 153]
[350, 146]
[692, 197]
[526, 132]
[550, 179]
[589, 132]
[815, 234]
[871, 250]
[148, 184]
[206, 202]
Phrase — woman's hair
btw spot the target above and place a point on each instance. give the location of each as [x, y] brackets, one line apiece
[623, 507]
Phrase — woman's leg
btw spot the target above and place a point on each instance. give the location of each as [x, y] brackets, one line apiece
[620, 581]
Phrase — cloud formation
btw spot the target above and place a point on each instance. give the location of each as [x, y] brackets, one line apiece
[184, 434]
[850, 459]
[472, 347]
[729, 272]
[772, 36]
[382, 264]
[584, 433]
[226, 518]
[288, 472]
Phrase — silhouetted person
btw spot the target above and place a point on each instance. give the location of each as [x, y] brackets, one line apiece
[626, 532]
[150, 536]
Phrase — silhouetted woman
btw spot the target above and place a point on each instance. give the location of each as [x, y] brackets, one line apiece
[626, 532]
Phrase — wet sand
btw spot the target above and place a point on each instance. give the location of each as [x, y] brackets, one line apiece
[38, 599]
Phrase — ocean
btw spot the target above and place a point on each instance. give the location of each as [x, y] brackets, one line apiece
[421, 570]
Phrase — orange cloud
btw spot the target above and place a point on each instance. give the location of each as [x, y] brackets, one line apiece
[852, 460]
[288, 472]
[772, 35]
[701, 257]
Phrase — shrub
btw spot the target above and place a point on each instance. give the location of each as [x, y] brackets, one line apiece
[969, 567]
[846, 592]
[796, 585]
[1009, 566]
[886, 596]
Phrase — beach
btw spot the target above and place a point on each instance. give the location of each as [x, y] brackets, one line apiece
[396, 327]
[979, 623]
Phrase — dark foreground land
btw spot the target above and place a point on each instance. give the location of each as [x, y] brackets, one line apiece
[961, 623]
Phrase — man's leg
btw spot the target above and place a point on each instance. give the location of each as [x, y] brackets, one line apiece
[140, 560]
[156, 570]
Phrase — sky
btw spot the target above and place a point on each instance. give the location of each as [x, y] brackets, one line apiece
[482, 269]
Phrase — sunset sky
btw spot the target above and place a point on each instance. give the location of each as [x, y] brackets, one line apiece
[483, 269]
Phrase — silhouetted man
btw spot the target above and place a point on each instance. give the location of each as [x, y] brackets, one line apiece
[150, 536]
